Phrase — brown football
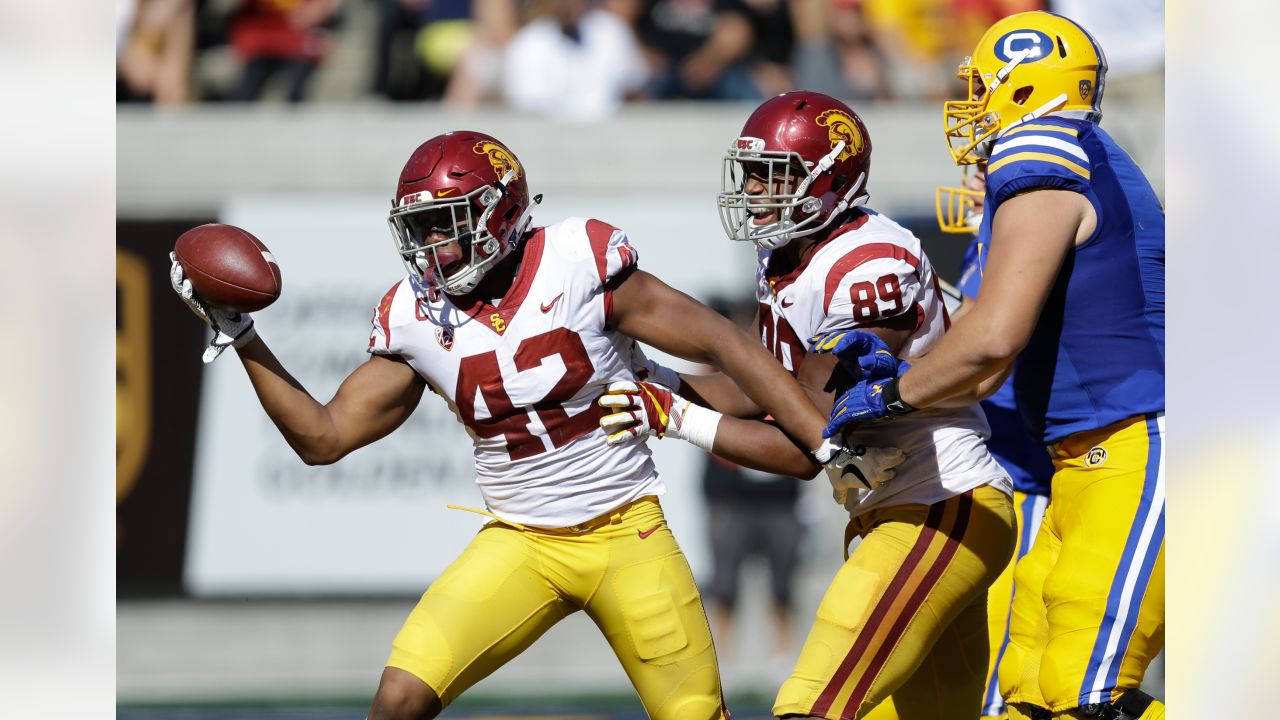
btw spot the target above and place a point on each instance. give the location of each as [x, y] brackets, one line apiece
[229, 268]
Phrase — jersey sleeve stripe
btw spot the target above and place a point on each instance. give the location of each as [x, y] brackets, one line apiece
[1045, 157]
[859, 256]
[1043, 128]
[1043, 141]
[599, 233]
[384, 313]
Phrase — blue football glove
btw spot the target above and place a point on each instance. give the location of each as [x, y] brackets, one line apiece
[863, 354]
[863, 402]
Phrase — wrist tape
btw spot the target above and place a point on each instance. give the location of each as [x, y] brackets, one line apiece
[696, 425]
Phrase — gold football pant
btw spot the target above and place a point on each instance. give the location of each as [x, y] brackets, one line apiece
[907, 614]
[1030, 510]
[1088, 608]
[512, 584]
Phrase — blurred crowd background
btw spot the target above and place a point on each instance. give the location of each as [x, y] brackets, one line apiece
[291, 118]
[583, 59]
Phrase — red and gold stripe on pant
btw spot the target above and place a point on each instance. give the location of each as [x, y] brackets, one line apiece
[928, 558]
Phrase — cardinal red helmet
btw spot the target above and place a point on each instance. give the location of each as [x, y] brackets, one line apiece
[812, 155]
[469, 189]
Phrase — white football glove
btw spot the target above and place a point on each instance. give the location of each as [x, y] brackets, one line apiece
[646, 409]
[229, 329]
[857, 468]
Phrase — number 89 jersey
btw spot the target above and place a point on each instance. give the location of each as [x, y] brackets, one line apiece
[523, 376]
[869, 270]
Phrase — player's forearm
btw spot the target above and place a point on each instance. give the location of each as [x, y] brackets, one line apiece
[720, 393]
[972, 352]
[304, 422]
[979, 392]
[762, 446]
[771, 387]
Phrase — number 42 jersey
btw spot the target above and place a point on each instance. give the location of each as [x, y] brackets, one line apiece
[868, 270]
[523, 376]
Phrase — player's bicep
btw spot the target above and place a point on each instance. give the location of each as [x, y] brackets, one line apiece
[374, 400]
[1031, 236]
[657, 314]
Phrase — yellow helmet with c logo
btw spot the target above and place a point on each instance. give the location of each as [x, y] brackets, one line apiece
[1025, 66]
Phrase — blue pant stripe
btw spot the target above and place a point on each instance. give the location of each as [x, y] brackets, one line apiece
[1097, 678]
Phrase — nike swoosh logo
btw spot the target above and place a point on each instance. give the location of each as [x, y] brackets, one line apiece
[646, 533]
[546, 307]
[444, 191]
[788, 302]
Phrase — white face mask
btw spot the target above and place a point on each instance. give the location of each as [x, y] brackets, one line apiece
[797, 214]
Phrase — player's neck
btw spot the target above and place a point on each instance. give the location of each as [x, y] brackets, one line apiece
[498, 281]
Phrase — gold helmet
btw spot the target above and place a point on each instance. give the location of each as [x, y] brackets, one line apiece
[1025, 66]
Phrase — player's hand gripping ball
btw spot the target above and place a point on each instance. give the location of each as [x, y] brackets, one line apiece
[223, 273]
[229, 269]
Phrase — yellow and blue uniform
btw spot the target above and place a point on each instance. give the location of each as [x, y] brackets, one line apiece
[1097, 354]
[1031, 470]
[1088, 611]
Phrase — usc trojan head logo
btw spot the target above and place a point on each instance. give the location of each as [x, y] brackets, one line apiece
[842, 127]
[499, 157]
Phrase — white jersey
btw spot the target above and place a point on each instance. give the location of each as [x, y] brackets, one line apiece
[873, 269]
[523, 376]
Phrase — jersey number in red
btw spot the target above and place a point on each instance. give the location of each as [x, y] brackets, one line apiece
[864, 294]
[481, 373]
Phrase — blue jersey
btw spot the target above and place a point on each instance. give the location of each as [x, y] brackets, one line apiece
[1097, 353]
[1024, 456]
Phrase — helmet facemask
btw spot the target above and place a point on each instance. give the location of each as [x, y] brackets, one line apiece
[436, 264]
[798, 214]
[967, 123]
[959, 209]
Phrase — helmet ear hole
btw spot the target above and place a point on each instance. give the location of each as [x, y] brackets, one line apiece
[1021, 94]
[1062, 47]
[838, 183]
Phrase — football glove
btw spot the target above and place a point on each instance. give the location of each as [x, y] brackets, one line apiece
[863, 402]
[863, 354]
[859, 467]
[646, 409]
[643, 409]
[229, 329]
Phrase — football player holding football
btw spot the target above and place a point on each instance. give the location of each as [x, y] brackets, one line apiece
[905, 615]
[1072, 300]
[519, 329]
